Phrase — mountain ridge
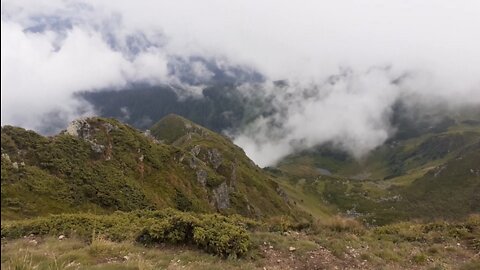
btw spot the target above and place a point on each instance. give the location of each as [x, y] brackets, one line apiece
[103, 165]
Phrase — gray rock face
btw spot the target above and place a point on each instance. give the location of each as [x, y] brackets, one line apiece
[192, 163]
[97, 148]
[215, 157]
[109, 127]
[79, 128]
[195, 150]
[82, 129]
[202, 177]
[233, 175]
[221, 196]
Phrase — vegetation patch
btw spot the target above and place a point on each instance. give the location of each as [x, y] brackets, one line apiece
[220, 235]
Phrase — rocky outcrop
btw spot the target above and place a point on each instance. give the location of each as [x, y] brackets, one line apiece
[233, 175]
[215, 157]
[221, 195]
[195, 150]
[83, 129]
[79, 128]
[202, 177]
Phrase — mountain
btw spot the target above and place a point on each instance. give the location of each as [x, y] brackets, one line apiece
[60, 197]
[431, 175]
[102, 165]
[221, 106]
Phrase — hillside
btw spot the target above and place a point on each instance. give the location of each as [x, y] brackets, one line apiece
[428, 176]
[102, 165]
[99, 195]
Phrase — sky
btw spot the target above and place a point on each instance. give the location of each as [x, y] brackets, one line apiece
[53, 49]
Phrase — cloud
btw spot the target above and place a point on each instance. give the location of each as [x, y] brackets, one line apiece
[351, 111]
[42, 69]
[381, 52]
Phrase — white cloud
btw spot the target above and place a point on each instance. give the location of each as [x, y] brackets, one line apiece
[435, 42]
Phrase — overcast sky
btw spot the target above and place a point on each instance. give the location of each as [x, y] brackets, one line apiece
[52, 49]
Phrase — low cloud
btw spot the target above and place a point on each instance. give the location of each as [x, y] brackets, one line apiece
[347, 63]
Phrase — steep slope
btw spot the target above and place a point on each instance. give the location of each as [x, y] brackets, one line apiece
[219, 164]
[102, 165]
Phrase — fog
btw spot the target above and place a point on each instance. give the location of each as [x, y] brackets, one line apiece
[346, 62]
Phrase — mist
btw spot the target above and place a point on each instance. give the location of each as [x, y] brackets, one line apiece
[346, 62]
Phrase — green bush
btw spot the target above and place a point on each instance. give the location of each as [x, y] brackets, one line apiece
[220, 235]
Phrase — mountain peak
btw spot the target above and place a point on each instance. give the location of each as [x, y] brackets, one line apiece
[172, 127]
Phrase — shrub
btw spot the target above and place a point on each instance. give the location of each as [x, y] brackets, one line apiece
[220, 235]
[340, 224]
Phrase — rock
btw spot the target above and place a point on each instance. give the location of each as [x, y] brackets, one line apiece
[279, 261]
[192, 163]
[79, 128]
[195, 150]
[202, 177]
[221, 195]
[149, 135]
[33, 242]
[15, 165]
[233, 175]
[270, 247]
[72, 264]
[291, 249]
[6, 157]
[126, 258]
[215, 157]
[109, 127]
[97, 148]
[61, 237]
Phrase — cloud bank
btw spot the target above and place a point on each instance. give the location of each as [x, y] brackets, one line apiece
[347, 62]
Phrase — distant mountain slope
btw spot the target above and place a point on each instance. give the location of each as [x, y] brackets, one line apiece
[432, 175]
[221, 106]
[103, 165]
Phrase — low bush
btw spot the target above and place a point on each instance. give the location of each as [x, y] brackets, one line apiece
[284, 224]
[217, 234]
[340, 224]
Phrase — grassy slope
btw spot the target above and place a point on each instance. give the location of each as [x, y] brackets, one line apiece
[57, 170]
[130, 171]
[248, 183]
[337, 244]
[396, 181]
